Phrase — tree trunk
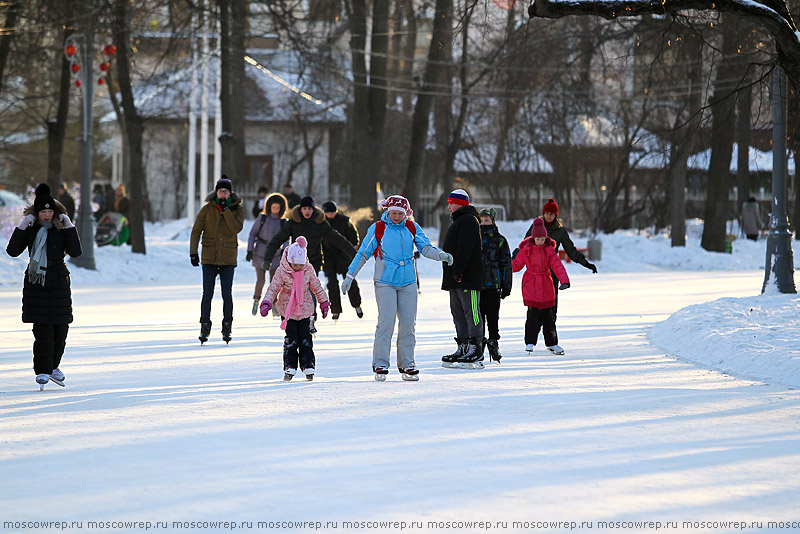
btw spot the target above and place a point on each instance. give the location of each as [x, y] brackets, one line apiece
[409, 49]
[369, 99]
[132, 123]
[9, 27]
[233, 27]
[425, 99]
[57, 128]
[723, 105]
[743, 142]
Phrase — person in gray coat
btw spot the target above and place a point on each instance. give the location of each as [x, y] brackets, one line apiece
[750, 219]
[268, 223]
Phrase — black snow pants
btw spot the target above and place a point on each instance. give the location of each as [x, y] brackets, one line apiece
[298, 345]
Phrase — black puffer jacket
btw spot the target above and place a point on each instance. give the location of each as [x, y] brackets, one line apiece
[316, 231]
[463, 241]
[497, 272]
[52, 302]
[334, 260]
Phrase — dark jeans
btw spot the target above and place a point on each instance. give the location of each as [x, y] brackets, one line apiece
[48, 346]
[490, 311]
[335, 295]
[210, 273]
[541, 319]
[298, 343]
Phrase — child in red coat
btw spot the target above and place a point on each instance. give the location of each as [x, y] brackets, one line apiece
[538, 255]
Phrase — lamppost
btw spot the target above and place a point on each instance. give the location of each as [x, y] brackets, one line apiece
[77, 47]
[779, 266]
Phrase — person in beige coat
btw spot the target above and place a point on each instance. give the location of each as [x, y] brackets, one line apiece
[216, 227]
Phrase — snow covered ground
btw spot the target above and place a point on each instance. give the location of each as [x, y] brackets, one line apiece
[676, 401]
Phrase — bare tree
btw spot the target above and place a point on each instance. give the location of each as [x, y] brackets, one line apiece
[233, 22]
[7, 34]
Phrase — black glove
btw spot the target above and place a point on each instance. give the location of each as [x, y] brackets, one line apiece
[195, 259]
[564, 286]
[249, 256]
[592, 267]
[505, 292]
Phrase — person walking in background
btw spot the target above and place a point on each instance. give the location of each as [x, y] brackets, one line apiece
[290, 291]
[538, 256]
[217, 225]
[335, 263]
[464, 279]
[99, 199]
[267, 224]
[48, 234]
[66, 200]
[121, 201]
[391, 241]
[307, 220]
[292, 198]
[258, 205]
[497, 278]
[560, 236]
[751, 219]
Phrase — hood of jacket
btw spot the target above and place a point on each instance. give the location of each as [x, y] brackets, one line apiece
[318, 217]
[236, 200]
[272, 198]
[529, 242]
[58, 209]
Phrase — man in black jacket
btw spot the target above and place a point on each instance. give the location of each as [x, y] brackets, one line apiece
[464, 280]
[335, 263]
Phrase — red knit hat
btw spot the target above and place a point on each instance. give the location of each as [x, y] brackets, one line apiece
[538, 229]
[550, 206]
[397, 203]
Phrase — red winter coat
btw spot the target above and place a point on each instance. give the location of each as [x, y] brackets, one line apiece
[537, 284]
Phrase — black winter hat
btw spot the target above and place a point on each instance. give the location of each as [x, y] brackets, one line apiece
[43, 200]
[223, 183]
[307, 202]
[329, 207]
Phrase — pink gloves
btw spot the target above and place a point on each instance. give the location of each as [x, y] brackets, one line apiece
[324, 306]
[266, 306]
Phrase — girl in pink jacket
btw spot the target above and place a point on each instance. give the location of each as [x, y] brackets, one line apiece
[290, 285]
[538, 255]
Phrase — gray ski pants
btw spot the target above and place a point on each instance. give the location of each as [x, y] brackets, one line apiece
[395, 303]
[466, 312]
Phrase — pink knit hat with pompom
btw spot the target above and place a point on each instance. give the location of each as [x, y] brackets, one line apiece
[296, 253]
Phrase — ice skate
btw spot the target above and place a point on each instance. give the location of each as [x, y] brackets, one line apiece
[529, 347]
[380, 373]
[472, 357]
[450, 359]
[57, 374]
[42, 379]
[494, 350]
[335, 317]
[205, 330]
[309, 373]
[359, 312]
[311, 328]
[288, 374]
[556, 349]
[409, 374]
[226, 331]
[256, 301]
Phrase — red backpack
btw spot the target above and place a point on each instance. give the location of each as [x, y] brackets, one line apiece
[380, 229]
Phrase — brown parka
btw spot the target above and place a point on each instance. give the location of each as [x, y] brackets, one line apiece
[217, 231]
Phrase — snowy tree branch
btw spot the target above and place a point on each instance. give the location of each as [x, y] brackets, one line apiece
[773, 15]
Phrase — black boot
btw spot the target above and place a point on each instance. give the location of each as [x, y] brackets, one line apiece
[205, 330]
[457, 354]
[226, 331]
[473, 351]
[494, 350]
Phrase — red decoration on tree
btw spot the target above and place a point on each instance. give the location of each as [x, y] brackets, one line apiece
[104, 66]
[70, 50]
[101, 81]
[78, 83]
[75, 68]
[110, 50]
[505, 4]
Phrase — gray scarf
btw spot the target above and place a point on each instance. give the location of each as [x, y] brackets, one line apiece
[37, 267]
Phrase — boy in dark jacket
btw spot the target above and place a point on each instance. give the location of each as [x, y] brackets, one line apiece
[48, 234]
[464, 280]
[497, 278]
[335, 263]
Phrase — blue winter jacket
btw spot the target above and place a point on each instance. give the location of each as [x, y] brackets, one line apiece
[397, 246]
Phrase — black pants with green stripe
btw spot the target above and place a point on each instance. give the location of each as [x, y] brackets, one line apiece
[465, 307]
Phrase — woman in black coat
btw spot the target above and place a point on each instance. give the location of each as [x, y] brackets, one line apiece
[48, 234]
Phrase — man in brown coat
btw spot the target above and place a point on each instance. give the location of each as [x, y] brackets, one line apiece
[218, 225]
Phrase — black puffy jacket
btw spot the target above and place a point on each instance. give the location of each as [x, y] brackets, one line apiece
[334, 260]
[497, 272]
[463, 241]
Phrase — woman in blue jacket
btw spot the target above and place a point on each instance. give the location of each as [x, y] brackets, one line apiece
[391, 241]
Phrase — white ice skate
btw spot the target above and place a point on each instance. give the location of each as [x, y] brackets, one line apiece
[529, 347]
[380, 373]
[57, 374]
[555, 349]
